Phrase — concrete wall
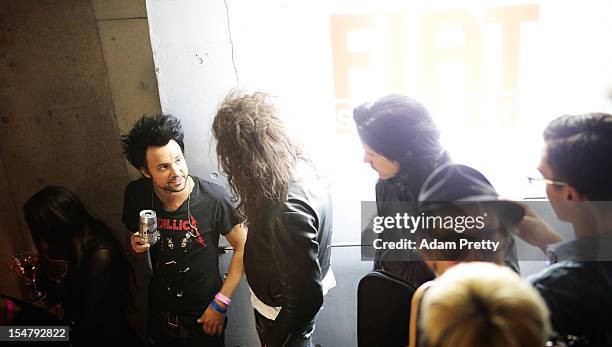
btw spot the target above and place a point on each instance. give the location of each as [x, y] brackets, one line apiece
[75, 74]
[11, 237]
[124, 37]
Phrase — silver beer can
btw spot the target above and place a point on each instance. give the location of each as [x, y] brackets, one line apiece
[148, 226]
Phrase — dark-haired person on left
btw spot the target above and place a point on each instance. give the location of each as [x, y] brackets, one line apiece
[82, 275]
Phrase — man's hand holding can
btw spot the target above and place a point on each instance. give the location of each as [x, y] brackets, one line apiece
[139, 244]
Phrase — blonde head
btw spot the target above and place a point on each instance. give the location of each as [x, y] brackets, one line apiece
[483, 304]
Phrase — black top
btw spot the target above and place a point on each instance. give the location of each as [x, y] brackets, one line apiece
[396, 196]
[186, 269]
[95, 296]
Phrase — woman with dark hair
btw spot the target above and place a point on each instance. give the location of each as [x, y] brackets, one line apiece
[401, 143]
[82, 268]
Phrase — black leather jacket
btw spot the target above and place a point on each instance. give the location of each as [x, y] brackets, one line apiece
[286, 262]
[400, 195]
[397, 195]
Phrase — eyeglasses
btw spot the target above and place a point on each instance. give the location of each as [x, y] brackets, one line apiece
[534, 180]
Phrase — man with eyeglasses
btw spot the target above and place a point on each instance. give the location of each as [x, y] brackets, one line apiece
[576, 166]
[187, 297]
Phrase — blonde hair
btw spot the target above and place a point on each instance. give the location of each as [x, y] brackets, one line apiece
[483, 304]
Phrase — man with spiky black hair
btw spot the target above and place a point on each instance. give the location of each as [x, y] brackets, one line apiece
[187, 297]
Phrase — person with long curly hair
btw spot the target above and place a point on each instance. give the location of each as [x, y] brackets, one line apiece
[287, 207]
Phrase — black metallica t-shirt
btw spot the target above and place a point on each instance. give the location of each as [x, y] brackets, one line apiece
[186, 257]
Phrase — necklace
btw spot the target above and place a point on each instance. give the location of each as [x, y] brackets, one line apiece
[192, 227]
[188, 196]
[185, 242]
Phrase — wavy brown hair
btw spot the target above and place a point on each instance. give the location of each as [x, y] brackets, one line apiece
[255, 151]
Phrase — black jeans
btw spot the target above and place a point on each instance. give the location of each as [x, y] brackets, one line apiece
[304, 339]
[170, 329]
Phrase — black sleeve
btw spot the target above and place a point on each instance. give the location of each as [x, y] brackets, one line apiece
[295, 252]
[130, 210]
[225, 218]
[511, 257]
[99, 313]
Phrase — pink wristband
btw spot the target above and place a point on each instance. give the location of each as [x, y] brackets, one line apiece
[224, 299]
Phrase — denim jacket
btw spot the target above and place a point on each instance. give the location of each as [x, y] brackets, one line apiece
[577, 288]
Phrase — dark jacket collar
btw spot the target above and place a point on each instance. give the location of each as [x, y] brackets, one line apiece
[593, 248]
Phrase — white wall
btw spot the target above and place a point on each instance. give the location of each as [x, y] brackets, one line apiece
[285, 48]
